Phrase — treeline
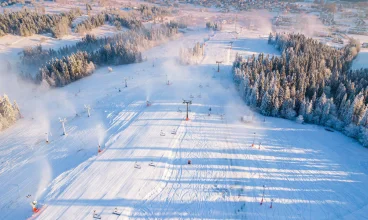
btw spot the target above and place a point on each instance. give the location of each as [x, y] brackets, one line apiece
[90, 23]
[36, 56]
[72, 63]
[128, 19]
[216, 26]
[117, 18]
[191, 55]
[27, 23]
[309, 82]
[9, 113]
[152, 12]
[4, 3]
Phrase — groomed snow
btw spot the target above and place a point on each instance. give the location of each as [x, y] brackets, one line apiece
[361, 61]
[308, 172]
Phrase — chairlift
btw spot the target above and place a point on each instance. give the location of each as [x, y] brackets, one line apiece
[116, 212]
[137, 166]
[95, 215]
[151, 164]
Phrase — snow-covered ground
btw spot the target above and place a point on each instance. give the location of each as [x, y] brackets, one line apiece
[11, 45]
[361, 61]
[308, 172]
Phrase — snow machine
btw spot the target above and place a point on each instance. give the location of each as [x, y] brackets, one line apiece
[246, 119]
[173, 131]
[151, 164]
[116, 212]
[162, 133]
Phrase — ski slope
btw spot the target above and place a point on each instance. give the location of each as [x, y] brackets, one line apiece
[308, 172]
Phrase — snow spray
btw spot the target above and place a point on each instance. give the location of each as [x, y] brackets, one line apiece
[100, 131]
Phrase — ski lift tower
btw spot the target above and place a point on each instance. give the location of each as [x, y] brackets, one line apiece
[88, 108]
[187, 102]
[218, 65]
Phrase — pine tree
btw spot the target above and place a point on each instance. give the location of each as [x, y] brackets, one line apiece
[266, 106]
[8, 113]
[270, 38]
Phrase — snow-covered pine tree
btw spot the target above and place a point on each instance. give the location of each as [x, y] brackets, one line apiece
[8, 113]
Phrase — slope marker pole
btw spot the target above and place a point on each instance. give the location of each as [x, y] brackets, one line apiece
[254, 138]
[218, 65]
[263, 194]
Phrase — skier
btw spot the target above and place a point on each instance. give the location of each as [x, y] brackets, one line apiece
[209, 111]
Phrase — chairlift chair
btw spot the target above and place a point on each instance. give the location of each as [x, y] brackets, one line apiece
[116, 212]
[95, 215]
[151, 164]
[137, 166]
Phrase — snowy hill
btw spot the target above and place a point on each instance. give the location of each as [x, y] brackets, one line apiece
[296, 171]
[307, 171]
